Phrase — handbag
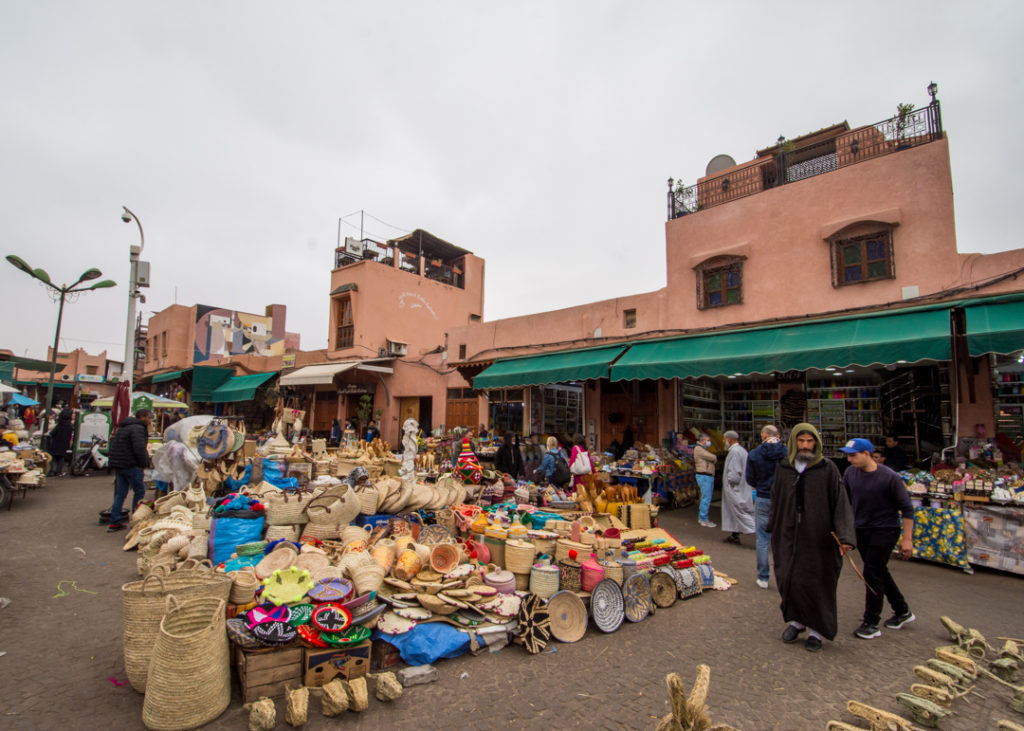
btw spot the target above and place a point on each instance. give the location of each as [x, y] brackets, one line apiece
[581, 465]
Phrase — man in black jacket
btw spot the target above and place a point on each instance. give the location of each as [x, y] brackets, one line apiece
[129, 457]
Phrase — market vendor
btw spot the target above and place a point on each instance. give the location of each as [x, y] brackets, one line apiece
[358, 477]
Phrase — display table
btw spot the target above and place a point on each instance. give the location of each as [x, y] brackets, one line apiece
[995, 536]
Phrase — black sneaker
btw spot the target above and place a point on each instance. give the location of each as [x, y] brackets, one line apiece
[867, 631]
[898, 620]
[790, 634]
[812, 644]
[115, 527]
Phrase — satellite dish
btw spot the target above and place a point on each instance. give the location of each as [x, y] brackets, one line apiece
[718, 164]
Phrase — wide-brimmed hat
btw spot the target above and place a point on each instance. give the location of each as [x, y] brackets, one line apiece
[215, 442]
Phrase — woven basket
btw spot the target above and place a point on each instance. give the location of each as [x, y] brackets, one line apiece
[164, 504]
[243, 587]
[444, 557]
[503, 581]
[285, 508]
[613, 571]
[522, 582]
[570, 575]
[190, 672]
[383, 553]
[593, 572]
[564, 545]
[446, 519]
[143, 603]
[519, 556]
[287, 532]
[367, 576]
[544, 580]
[369, 499]
[543, 541]
[321, 531]
[496, 546]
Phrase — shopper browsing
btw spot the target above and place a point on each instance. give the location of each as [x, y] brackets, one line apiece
[128, 458]
[761, 463]
[704, 462]
[879, 500]
[737, 495]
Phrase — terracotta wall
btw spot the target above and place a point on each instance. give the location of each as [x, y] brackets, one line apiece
[179, 322]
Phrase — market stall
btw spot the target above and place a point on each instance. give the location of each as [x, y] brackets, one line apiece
[366, 564]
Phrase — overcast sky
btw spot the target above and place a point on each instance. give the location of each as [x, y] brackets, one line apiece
[538, 135]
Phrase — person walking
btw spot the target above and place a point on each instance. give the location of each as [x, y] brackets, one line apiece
[704, 462]
[60, 441]
[809, 507]
[508, 459]
[879, 500]
[554, 468]
[761, 464]
[579, 460]
[737, 494]
[128, 458]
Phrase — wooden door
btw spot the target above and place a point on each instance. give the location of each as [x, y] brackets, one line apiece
[408, 408]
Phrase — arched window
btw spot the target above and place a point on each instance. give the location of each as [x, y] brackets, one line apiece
[862, 253]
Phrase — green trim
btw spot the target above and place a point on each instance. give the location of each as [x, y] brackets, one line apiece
[348, 287]
[206, 379]
[995, 328]
[162, 377]
[867, 340]
[240, 388]
[557, 367]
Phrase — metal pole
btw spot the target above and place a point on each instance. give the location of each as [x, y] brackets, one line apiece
[53, 369]
[128, 372]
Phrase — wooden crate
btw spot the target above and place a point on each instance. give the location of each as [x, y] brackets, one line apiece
[322, 666]
[269, 673]
[384, 656]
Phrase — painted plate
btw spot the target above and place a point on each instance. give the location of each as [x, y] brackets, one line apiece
[607, 606]
[636, 595]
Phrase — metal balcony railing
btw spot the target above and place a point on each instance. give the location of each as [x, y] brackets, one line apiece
[791, 164]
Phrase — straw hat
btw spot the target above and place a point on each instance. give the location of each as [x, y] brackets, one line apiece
[568, 616]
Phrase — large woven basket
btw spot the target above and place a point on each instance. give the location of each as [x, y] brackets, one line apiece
[496, 546]
[544, 580]
[190, 673]
[519, 556]
[321, 531]
[613, 571]
[243, 587]
[284, 508]
[543, 541]
[143, 603]
[564, 545]
[287, 532]
[369, 499]
[570, 575]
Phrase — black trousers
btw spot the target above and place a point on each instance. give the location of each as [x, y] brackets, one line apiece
[875, 546]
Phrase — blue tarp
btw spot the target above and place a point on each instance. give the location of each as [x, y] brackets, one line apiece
[18, 400]
[425, 643]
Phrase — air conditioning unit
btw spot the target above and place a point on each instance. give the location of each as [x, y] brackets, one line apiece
[382, 352]
[354, 246]
[397, 349]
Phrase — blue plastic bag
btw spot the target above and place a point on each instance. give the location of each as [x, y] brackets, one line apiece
[226, 533]
[234, 484]
[273, 472]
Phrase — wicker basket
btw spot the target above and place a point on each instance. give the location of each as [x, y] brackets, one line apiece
[287, 532]
[543, 541]
[243, 587]
[570, 575]
[503, 581]
[143, 603]
[613, 571]
[564, 545]
[522, 582]
[496, 546]
[284, 508]
[321, 531]
[519, 556]
[369, 499]
[190, 671]
[544, 580]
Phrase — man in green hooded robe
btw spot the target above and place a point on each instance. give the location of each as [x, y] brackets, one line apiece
[809, 504]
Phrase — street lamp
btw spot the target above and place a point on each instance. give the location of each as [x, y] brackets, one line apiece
[63, 291]
[137, 267]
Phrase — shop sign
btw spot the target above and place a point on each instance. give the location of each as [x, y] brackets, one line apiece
[90, 379]
[287, 361]
[356, 388]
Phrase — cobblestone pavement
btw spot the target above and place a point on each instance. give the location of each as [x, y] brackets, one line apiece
[63, 667]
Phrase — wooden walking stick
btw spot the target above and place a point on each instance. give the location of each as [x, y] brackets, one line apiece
[857, 570]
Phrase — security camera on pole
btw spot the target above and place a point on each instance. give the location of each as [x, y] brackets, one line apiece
[138, 277]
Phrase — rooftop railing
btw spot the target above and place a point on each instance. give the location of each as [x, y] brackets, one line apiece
[790, 163]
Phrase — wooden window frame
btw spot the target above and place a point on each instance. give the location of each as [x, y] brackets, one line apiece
[344, 332]
[629, 318]
[838, 245]
[721, 265]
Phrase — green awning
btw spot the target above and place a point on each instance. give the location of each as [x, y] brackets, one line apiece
[559, 367]
[32, 364]
[162, 377]
[205, 379]
[240, 388]
[995, 328]
[866, 340]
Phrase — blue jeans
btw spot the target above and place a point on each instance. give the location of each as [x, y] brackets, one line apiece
[706, 483]
[130, 477]
[762, 510]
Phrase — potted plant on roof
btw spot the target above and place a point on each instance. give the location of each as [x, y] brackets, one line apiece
[903, 112]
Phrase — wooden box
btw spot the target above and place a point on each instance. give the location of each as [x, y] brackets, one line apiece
[269, 673]
[384, 656]
[323, 666]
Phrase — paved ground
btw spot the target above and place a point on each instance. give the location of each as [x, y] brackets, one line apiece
[63, 664]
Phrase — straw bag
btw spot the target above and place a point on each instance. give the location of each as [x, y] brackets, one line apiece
[143, 602]
[613, 571]
[570, 575]
[321, 531]
[286, 508]
[519, 556]
[367, 575]
[287, 532]
[369, 499]
[164, 504]
[543, 580]
[446, 519]
[190, 672]
[350, 533]
[243, 587]
[334, 508]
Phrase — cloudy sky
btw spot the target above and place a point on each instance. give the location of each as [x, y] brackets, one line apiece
[538, 135]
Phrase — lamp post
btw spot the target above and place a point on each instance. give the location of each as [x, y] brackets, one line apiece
[133, 294]
[63, 291]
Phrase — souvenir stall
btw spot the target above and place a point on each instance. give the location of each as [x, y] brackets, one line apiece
[21, 469]
[291, 585]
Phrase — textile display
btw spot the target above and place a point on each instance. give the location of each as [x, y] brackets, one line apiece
[939, 536]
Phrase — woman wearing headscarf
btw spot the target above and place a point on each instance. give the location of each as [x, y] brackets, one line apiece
[509, 460]
[60, 441]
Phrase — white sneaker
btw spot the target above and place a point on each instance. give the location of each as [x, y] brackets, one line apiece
[762, 583]
[707, 524]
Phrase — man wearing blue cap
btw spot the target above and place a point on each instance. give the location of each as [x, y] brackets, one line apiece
[879, 498]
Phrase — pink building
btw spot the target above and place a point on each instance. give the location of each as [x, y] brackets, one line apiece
[820, 280]
[82, 378]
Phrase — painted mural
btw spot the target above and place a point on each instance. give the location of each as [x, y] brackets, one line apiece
[221, 332]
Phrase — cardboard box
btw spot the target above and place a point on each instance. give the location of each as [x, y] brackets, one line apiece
[384, 656]
[323, 666]
[269, 672]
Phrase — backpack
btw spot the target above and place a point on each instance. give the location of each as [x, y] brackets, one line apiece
[560, 474]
